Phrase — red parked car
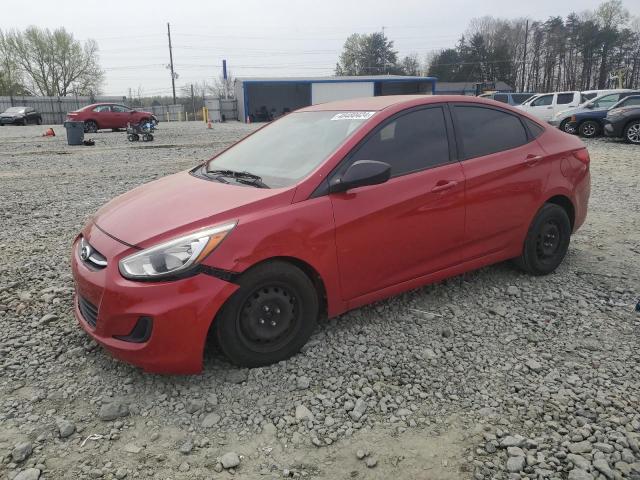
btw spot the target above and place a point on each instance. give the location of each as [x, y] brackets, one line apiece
[108, 115]
[324, 210]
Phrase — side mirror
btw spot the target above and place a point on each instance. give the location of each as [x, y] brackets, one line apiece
[589, 105]
[361, 173]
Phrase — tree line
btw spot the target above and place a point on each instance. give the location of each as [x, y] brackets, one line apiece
[590, 50]
[40, 61]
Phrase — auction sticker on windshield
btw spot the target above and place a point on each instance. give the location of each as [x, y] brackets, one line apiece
[353, 116]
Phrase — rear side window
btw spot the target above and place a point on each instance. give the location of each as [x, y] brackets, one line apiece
[542, 101]
[411, 142]
[501, 97]
[564, 98]
[102, 108]
[484, 131]
[535, 129]
[519, 98]
[631, 101]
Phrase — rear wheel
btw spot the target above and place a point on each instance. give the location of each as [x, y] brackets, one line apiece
[270, 317]
[567, 127]
[90, 126]
[547, 241]
[589, 129]
[632, 132]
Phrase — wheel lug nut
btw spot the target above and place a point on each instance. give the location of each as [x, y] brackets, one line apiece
[261, 321]
[273, 323]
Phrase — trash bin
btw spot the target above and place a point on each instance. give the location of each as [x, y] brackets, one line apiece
[75, 132]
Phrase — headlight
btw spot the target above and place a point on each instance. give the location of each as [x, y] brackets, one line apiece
[175, 256]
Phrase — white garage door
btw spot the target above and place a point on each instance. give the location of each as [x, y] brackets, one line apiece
[327, 92]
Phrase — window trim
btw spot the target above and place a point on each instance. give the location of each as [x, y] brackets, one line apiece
[323, 188]
[458, 137]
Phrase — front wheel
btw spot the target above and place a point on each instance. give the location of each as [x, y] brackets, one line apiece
[632, 132]
[547, 241]
[90, 126]
[270, 317]
[589, 129]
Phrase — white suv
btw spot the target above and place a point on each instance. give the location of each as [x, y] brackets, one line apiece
[546, 105]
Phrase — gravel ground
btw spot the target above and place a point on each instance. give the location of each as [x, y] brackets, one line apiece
[493, 374]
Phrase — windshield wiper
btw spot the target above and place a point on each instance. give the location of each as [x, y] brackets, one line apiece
[245, 178]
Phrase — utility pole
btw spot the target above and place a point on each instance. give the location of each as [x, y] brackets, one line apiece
[173, 75]
[193, 102]
[385, 58]
[524, 56]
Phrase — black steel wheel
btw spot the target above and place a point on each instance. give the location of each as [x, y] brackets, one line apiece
[90, 126]
[632, 132]
[589, 129]
[547, 241]
[270, 317]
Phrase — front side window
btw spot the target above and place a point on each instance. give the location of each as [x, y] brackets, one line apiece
[564, 98]
[485, 130]
[409, 143]
[542, 101]
[606, 101]
[120, 109]
[287, 150]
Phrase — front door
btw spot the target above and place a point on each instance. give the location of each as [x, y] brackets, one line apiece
[542, 107]
[414, 223]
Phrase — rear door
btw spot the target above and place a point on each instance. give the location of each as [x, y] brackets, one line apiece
[564, 101]
[505, 170]
[121, 116]
[102, 114]
[414, 223]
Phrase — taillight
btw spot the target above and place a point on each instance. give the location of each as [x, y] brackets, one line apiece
[582, 155]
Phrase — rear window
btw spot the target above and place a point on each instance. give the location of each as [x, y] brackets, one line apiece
[485, 130]
[564, 98]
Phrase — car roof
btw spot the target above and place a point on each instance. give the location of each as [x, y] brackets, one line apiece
[376, 104]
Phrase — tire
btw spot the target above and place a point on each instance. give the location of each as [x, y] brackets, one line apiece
[632, 132]
[565, 127]
[39, 121]
[90, 126]
[270, 317]
[589, 129]
[24, 122]
[547, 241]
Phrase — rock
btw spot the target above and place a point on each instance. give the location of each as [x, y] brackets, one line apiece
[186, 447]
[121, 473]
[358, 410]
[230, 460]
[515, 452]
[217, 467]
[210, 420]
[512, 441]
[371, 462]
[579, 461]
[446, 332]
[429, 354]
[194, 405]
[65, 428]
[516, 464]
[303, 413]
[577, 474]
[184, 467]
[533, 365]
[237, 376]
[48, 318]
[580, 447]
[360, 454]
[21, 451]
[112, 410]
[131, 448]
[28, 474]
[302, 383]
[603, 447]
[603, 467]
[513, 291]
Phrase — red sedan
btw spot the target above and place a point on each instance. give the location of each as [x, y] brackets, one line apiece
[329, 208]
[108, 115]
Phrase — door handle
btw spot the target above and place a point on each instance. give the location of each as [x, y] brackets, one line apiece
[532, 160]
[548, 108]
[443, 185]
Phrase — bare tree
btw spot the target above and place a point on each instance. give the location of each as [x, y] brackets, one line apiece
[54, 63]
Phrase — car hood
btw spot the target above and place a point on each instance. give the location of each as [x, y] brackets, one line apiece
[11, 114]
[179, 204]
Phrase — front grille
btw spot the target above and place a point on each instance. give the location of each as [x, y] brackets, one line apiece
[88, 310]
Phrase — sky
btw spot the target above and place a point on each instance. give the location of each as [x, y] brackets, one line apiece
[257, 38]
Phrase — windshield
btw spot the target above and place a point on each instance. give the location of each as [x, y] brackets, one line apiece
[15, 110]
[290, 148]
